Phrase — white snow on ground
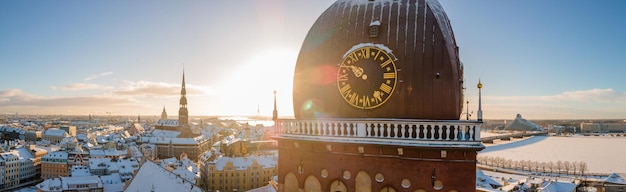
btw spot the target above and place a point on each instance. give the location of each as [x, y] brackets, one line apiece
[603, 154]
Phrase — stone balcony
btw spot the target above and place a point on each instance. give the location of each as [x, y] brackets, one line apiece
[403, 132]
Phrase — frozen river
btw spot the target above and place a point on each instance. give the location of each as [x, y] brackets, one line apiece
[603, 154]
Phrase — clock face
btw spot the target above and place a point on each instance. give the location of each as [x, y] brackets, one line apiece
[367, 77]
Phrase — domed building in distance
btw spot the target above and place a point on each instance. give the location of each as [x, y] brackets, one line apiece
[378, 92]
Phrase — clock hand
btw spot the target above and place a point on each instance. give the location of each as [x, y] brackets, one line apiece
[358, 71]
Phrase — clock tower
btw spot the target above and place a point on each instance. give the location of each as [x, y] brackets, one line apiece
[377, 96]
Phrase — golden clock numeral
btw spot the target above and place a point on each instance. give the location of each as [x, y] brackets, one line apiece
[353, 98]
[389, 75]
[382, 65]
[345, 89]
[365, 53]
[353, 57]
[366, 101]
[342, 77]
[386, 88]
[377, 53]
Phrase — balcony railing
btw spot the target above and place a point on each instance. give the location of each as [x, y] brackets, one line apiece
[398, 129]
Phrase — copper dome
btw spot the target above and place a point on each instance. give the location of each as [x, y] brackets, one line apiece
[379, 59]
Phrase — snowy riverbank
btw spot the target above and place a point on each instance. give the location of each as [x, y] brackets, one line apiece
[603, 154]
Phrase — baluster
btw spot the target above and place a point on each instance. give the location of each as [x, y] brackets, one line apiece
[402, 131]
[420, 133]
[328, 129]
[472, 137]
[316, 129]
[307, 128]
[349, 129]
[368, 132]
[377, 130]
[455, 132]
[439, 132]
[342, 128]
[442, 131]
[388, 129]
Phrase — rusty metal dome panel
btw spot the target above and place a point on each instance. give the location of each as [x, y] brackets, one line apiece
[379, 59]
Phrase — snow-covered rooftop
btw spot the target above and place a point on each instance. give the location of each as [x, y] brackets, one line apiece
[152, 177]
[242, 163]
[112, 182]
[56, 155]
[167, 122]
[79, 171]
[55, 132]
[63, 183]
[165, 140]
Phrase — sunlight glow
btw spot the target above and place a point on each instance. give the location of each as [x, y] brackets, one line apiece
[249, 89]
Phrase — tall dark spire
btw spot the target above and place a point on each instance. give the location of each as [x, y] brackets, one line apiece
[163, 113]
[275, 114]
[183, 114]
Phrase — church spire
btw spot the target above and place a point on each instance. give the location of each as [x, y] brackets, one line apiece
[183, 114]
[275, 114]
[163, 113]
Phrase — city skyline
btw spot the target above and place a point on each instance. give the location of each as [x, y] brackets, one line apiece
[544, 60]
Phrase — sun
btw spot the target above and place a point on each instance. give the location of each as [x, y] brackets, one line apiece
[251, 85]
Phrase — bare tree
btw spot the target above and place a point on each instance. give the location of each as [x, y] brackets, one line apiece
[567, 165]
[559, 166]
[527, 165]
[544, 166]
[480, 159]
[515, 164]
[582, 166]
[500, 161]
[509, 163]
[534, 166]
[574, 167]
[551, 166]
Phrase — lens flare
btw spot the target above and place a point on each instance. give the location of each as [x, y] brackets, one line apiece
[312, 108]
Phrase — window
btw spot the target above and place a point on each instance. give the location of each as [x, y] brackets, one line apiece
[374, 28]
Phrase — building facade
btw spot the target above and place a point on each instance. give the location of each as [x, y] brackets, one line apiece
[54, 135]
[11, 167]
[54, 165]
[71, 130]
[174, 147]
[603, 127]
[2, 170]
[239, 173]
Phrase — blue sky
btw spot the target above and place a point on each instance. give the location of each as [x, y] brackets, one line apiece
[553, 59]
